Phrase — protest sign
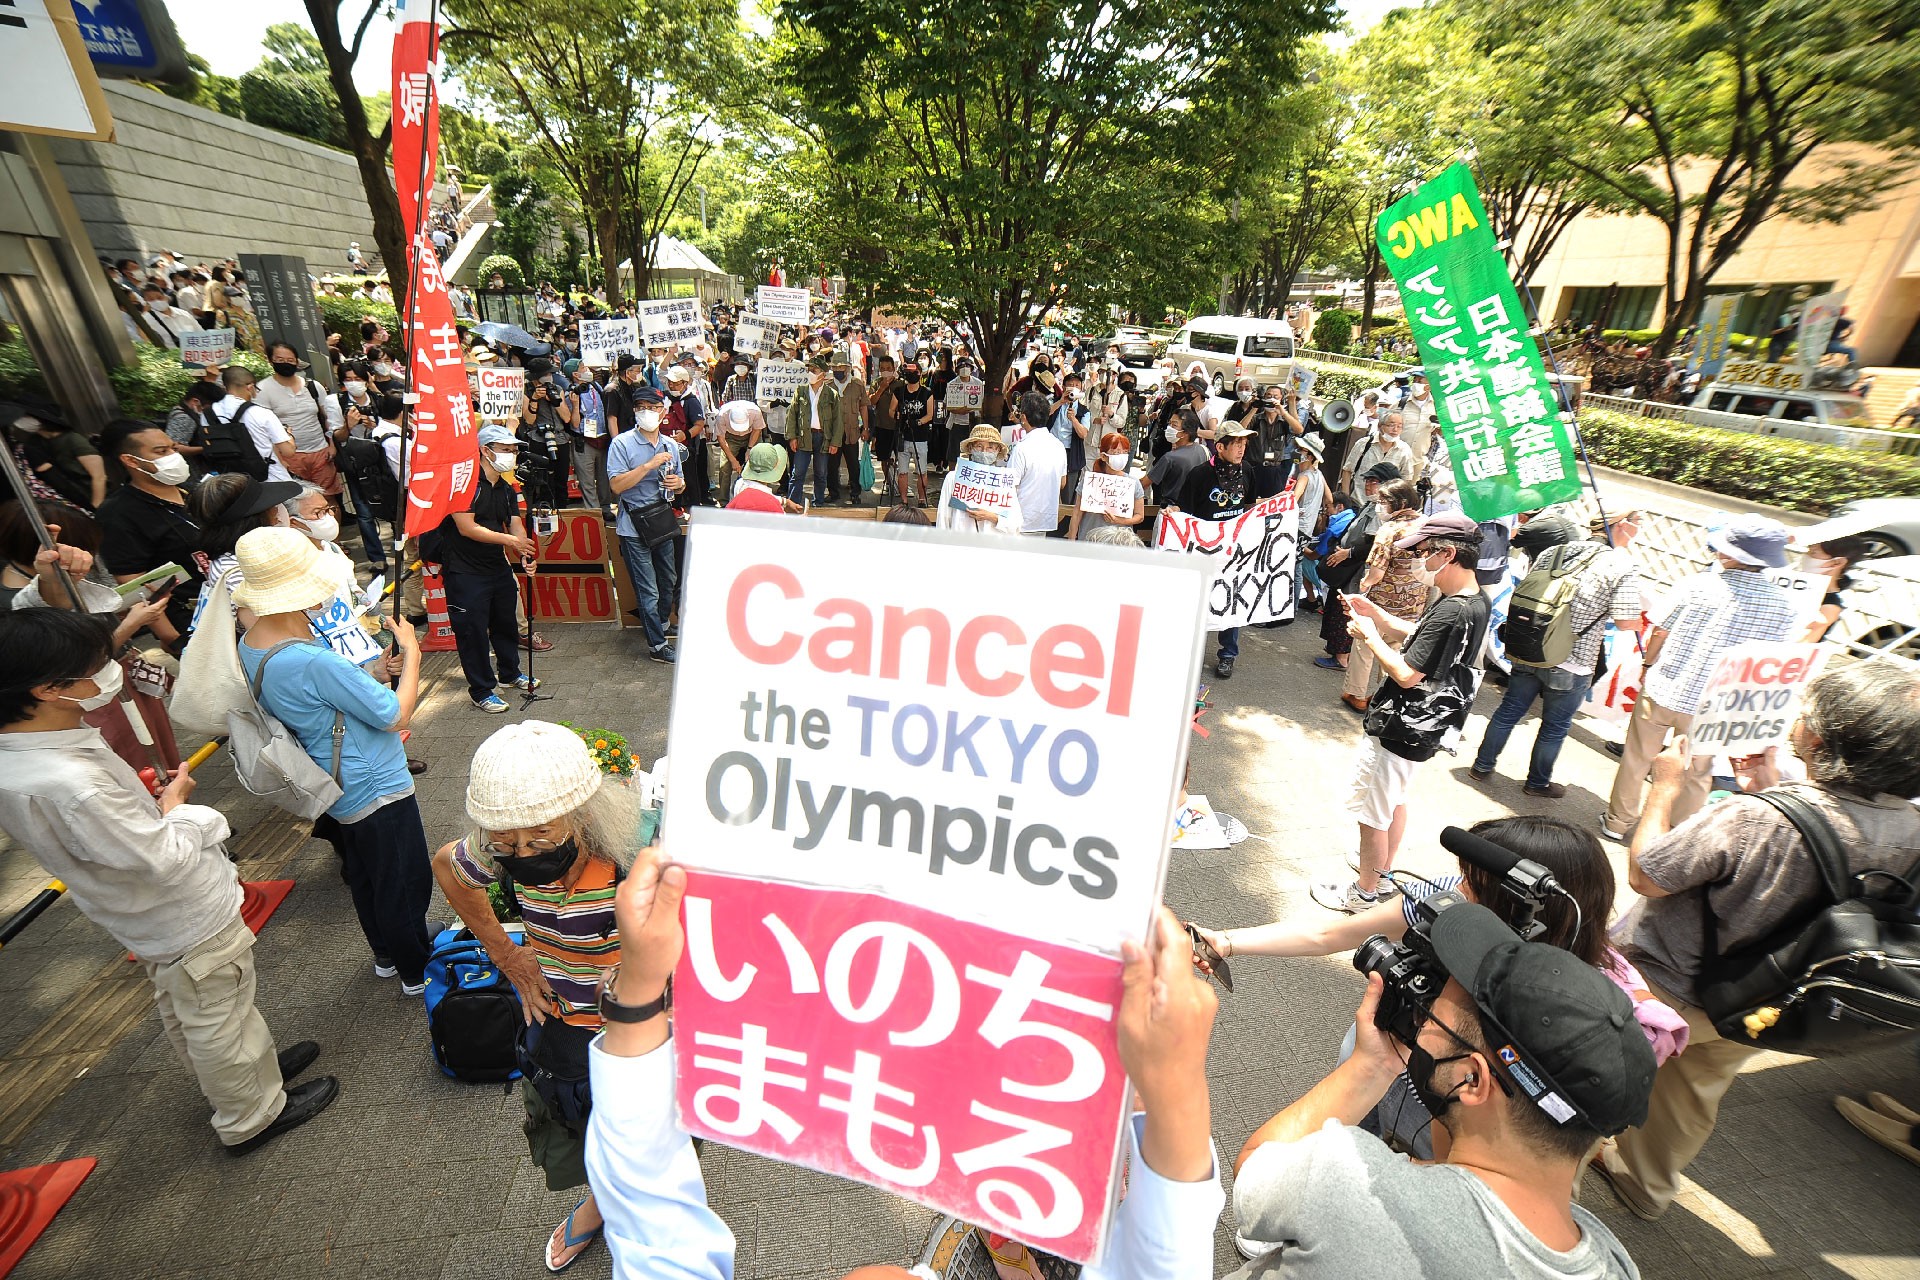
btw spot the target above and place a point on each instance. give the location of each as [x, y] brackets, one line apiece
[602, 342]
[778, 380]
[788, 306]
[1713, 336]
[965, 395]
[1807, 590]
[915, 844]
[1251, 558]
[1612, 696]
[1753, 695]
[202, 347]
[1107, 495]
[756, 335]
[976, 484]
[571, 581]
[498, 391]
[1818, 316]
[1510, 450]
[666, 322]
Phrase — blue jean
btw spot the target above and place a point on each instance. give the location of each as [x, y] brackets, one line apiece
[1230, 643]
[1560, 693]
[363, 516]
[653, 577]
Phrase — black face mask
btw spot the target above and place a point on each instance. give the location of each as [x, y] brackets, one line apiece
[538, 869]
[285, 368]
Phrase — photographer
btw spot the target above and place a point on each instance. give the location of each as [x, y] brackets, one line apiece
[1276, 419]
[547, 415]
[1526, 1059]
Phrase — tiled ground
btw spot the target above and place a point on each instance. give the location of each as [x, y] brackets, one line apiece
[412, 1175]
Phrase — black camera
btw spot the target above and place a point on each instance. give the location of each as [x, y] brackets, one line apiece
[1412, 972]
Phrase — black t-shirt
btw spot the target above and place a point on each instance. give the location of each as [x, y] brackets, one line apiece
[494, 506]
[139, 532]
[1451, 631]
[909, 406]
[1217, 490]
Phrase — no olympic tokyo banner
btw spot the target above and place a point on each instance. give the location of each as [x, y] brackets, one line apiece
[916, 843]
[1251, 557]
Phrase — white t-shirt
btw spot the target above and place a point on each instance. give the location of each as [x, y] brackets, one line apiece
[1039, 466]
[266, 429]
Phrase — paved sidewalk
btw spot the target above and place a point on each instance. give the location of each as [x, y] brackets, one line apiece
[413, 1175]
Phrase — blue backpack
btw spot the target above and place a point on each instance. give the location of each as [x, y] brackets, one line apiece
[473, 1012]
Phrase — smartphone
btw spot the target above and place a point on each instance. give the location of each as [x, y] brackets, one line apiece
[1215, 961]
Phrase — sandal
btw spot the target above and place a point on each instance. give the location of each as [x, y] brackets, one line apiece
[568, 1240]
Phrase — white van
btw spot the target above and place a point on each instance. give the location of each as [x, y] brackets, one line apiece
[1230, 347]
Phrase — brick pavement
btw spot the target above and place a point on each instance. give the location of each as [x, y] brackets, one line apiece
[413, 1175]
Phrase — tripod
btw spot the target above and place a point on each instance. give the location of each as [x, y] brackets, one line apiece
[531, 693]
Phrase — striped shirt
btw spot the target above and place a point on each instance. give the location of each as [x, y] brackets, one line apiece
[1711, 613]
[571, 931]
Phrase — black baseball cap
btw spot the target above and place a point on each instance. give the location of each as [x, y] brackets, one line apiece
[1557, 1027]
[647, 394]
[1381, 471]
[627, 361]
[258, 496]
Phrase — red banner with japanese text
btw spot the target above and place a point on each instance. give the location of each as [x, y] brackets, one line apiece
[919, 825]
[440, 467]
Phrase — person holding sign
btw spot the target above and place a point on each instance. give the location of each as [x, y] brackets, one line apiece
[1098, 507]
[813, 433]
[982, 460]
[1220, 490]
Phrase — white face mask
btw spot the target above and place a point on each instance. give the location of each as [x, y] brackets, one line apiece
[503, 462]
[1118, 461]
[1172, 434]
[109, 680]
[172, 469]
[358, 390]
[739, 371]
[1244, 395]
[647, 419]
[326, 528]
[1820, 566]
[156, 304]
[382, 370]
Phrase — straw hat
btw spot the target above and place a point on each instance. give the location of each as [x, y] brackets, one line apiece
[988, 434]
[284, 572]
[527, 774]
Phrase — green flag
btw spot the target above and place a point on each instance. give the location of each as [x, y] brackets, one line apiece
[1509, 448]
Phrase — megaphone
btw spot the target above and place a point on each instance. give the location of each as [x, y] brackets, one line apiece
[1336, 416]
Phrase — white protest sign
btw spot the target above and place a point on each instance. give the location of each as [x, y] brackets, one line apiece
[498, 391]
[1218, 407]
[666, 322]
[976, 484]
[788, 306]
[916, 834]
[1752, 697]
[1251, 557]
[756, 335]
[1107, 495]
[1807, 590]
[602, 342]
[202, 347]
[965, 395]
[778, 380]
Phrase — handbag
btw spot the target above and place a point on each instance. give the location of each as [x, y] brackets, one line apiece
[654, 524]
[866, 466]
[211, 684]
[269, 760]
[1411, 722]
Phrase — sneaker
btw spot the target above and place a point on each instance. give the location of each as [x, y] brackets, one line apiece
[383, 968]
[413, 988]
[1335, 896]
[526, 684]
[1552, 791]
[1608, 833]
[304, 1102]
[1387, 885]
[1252, 1249]
[537, 642]
[492, 705]
[1223, 667]
[664, 654]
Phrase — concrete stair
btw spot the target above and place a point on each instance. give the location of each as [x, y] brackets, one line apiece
[1891, 386]
[463, 264]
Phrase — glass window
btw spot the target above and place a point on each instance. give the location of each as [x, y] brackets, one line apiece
[1722, 401]
[1757, 406]
[1849, 413]
[1269, 346]
[1218, 343]
[1797, 411]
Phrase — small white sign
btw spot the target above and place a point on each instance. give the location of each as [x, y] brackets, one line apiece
[206, 347]
[778, 380]
[1107, 495]
[756, 335]
[602, 342]
[788, 306]
[498, 391]
[669, 322]
[965, 395]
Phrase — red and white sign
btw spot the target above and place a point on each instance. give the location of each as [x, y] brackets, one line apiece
[920, 826]
[498, 391]
[1753, 696]
[440, 468]
[1251, 557]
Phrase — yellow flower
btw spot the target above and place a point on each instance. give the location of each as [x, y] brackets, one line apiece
[600, 744]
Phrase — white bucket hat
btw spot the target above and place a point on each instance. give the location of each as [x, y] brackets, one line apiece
[529, 773]
[284, 572]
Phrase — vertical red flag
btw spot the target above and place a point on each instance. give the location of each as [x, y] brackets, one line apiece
[776, 277]
[439, 469]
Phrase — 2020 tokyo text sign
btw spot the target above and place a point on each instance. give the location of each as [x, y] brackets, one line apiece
[923, 813]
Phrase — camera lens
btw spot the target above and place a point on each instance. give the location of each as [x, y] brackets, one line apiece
[1376, 955]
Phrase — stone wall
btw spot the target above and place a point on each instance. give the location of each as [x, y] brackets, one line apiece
[210, 187]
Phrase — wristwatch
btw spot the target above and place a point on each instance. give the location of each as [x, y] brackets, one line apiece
[612, 1010]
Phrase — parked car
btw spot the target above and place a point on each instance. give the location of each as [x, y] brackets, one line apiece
[1137, 347]
[1781, 391]
[1227, 347]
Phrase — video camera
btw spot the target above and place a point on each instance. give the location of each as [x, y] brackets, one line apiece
[1412, 972]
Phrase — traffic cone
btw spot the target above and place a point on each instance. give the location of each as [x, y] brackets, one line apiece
[439, 628]
[28, 1200]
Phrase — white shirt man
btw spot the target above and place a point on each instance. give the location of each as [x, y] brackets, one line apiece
[1039, 469]
[265, 427]
[164, 320]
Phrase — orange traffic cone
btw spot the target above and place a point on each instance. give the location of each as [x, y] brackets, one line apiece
[439, 638]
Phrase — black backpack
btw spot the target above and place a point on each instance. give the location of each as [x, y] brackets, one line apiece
[1841, 978]
[230, 446]
[473, 1012]
[365, 462]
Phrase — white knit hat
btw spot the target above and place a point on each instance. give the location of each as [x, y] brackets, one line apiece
[527, 774]
[283, 572]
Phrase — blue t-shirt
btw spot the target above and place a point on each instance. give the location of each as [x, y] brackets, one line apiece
[304, 686]
[629, 450]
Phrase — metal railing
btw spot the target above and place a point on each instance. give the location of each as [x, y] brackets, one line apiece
[1870, 438]
[1388, 367]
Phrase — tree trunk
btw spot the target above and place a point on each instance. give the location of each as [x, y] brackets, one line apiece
[1670, 329]
[369, 152]
[606, 230]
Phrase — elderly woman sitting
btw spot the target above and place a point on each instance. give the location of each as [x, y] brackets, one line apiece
[557, 842]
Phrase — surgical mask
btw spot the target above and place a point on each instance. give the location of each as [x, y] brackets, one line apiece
[109, 680]
[1421, 1066]
[1172, 434]
[381, 370]
[535, 869]
[358, 390]
[987, 456]
[172, 469]
[1821, 566]
[739, 371]
[285, 368]
[1244, 395]
[503, 462]
[1118, 461]
[156, 304]
[647, 419]
[326, 528]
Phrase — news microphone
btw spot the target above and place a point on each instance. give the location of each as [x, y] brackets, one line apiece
[1522, 876]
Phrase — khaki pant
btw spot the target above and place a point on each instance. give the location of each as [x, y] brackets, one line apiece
[1362, 669]
[1646, 735]
[205, 1000]
[1645, 1164]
